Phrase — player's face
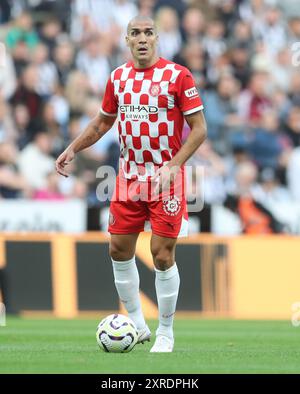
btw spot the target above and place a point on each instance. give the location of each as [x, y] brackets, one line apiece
[142, 40]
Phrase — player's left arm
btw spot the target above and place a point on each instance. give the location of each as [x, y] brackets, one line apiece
[166, 174]
[198, 134]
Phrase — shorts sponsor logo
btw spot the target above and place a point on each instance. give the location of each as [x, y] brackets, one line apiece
[171, 206]
[138, 112]
[112, 219]
[155, 89]
[191, 92]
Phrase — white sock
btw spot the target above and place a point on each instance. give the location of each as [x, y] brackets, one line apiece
[167, 288]
[127, 282]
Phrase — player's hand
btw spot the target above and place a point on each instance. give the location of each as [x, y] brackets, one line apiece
[64, 159]
[164, 178]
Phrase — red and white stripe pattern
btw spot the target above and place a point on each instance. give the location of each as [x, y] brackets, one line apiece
[150, 105]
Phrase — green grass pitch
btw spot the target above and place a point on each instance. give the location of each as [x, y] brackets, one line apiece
[202, 346]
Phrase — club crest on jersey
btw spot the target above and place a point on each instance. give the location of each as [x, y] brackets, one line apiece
[155, 89]
[171, 206]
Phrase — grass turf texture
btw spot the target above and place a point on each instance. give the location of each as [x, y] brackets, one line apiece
[202, 346]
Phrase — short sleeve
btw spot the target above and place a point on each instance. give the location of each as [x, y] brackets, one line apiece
[189, 100]
[109, 104]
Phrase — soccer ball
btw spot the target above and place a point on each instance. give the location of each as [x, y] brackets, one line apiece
[116, 334]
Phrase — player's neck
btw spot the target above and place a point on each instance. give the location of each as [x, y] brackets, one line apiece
[145, 64]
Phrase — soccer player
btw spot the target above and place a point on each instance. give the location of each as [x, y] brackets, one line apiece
[150, 97]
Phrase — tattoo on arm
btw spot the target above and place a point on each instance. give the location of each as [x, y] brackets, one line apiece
[97, 129]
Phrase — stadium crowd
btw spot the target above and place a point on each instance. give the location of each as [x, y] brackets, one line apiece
[59, 55]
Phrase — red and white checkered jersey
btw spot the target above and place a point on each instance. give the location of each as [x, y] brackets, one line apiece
[150, 104]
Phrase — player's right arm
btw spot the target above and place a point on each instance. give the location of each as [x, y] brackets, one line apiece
[96, 128]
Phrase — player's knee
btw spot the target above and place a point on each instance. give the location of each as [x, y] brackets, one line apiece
[118, 252]
[163, 258]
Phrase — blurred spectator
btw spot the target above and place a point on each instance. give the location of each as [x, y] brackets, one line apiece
[213, 41]
[53, 129]
[27, 95]
[220, 107]
[12, 183]
[216, 68]
[51, 9]
[93, 62]
[22, 125]
[47, 74]
[5, 11]
[178, 5]
[261, 60]
[282, 69]
[22, 32]
[192, 57]
[255, 99]
[255, 218]
[228, 13]
[146, 7]
[214, 171]
[294, 28]
[242, 35]
[232, 161]
[272, 30]
[293, 170]
[35, 162]
[124, 11]
[51, 192]
[91, 17]
[77, 91]
[169, 34]
[21, 57]
[73, 187]
[64, 60]
[245, 180]
[269, 191]
[290, 8]
[61, 108]
[293, 126]
[86, 164]
[265, 144]
[193, 24]
[294, 94]
[252, 12]
[7, 130]
[49, 34]
[8, 80]
[240, 62]
[281, 104]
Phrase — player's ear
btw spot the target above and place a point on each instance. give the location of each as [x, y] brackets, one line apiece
[127, 40]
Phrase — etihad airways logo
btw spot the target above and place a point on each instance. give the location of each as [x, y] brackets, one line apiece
[138, 112]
